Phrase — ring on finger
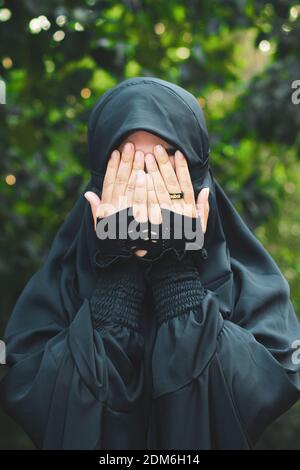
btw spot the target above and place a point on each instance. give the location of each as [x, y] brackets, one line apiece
[179, 195]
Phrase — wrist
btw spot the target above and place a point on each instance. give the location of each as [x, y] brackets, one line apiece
[176, 285]
[171, 262]
[114, 233]
[177, 296]
[118, 295]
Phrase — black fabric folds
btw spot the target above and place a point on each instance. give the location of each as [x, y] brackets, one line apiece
[177, 231]
[211, 376]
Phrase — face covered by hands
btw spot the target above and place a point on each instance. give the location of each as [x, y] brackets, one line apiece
[143, 197]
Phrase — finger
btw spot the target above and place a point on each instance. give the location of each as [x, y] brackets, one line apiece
[94, 202]
[169, 176]
[172, 160]
[159, 185]
[203, 213]
[166, 169]
[203, 196]
[154, 212]
[138, 164]
[206, 211]
[139, 205]
[123, 175]
[206, 214]
[203, 207]
[184, 178]
[140, 252]
[110, 176]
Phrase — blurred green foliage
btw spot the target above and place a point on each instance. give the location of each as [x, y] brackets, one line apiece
[238, 57]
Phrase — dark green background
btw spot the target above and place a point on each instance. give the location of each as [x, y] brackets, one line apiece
[215, 49]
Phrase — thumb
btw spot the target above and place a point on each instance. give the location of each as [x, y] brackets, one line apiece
[94, 202]
[203, 207]
[203, 196]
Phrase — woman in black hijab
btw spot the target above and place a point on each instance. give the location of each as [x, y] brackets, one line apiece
[177, 349]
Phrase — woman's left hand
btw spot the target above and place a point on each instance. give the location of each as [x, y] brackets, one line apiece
[171, 175]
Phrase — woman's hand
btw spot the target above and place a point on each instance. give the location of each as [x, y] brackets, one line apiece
[168, 175]
[126, 184]
[118, 184]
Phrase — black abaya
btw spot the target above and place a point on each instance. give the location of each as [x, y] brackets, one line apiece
[212, 376]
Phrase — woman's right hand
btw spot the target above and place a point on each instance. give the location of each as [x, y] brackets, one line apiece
[118, 184]
[124, 185]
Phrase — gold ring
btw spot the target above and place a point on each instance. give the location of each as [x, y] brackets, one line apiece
[176, 195]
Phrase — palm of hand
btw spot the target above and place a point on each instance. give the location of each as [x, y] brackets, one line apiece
[126, 184]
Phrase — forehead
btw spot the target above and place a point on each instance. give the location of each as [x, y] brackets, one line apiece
[143, 138]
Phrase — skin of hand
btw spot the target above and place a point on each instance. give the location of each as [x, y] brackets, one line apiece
[126, 184]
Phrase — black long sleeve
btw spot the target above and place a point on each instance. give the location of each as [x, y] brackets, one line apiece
[215, 386]
[79, 385]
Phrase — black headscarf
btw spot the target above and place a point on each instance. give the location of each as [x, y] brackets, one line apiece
[52, 313]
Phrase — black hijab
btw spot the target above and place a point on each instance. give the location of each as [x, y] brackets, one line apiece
[250, 287]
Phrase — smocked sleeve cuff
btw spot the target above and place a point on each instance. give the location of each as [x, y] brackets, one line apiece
[176, 286]
[118, 296]
[177, 296]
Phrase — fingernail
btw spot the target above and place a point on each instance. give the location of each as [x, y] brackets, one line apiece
[150, 158]
[115, 154]
[179, 154]
[159, 149]
[127, 147]
[206, 192]
[91, 197]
